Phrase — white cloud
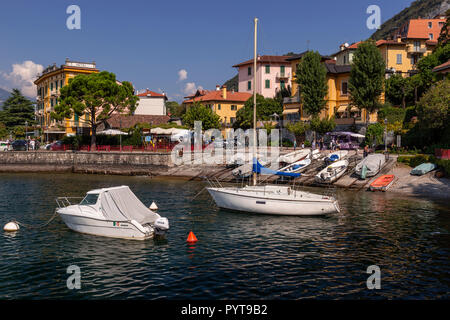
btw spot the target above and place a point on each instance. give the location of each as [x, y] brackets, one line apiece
[182, 75]
[22, 77]
[191, 88]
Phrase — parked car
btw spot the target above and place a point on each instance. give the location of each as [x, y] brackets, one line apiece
[57, 146]
[4, 146]
[19, 145]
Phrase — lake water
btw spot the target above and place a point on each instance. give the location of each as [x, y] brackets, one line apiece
[238, 255]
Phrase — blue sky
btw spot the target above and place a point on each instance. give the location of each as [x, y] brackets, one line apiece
[149, 42]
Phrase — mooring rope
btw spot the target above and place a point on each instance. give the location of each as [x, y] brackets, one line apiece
[38, 226]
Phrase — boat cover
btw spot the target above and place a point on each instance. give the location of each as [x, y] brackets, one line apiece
[423, 168]
[259, 168]
[373, 162]
[121, 204]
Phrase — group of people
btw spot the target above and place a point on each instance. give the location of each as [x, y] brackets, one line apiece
[333, 145]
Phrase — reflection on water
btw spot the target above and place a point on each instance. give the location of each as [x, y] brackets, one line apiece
[237, 255]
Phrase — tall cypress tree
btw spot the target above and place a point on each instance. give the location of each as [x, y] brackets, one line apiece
[16, 110]
[367, 77]
[311, 77]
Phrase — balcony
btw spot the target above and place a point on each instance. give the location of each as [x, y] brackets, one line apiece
[414, 49]
[55, 94]
[294, 99]
[283, 75]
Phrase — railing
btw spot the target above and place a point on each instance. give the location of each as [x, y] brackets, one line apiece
[63, 202]
[295, 99]
[115, 148]
[283, 75]
[413, 49]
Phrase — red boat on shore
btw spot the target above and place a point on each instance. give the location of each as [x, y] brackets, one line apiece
[382, 183]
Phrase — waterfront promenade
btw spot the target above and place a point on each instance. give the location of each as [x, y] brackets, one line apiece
[160, 165]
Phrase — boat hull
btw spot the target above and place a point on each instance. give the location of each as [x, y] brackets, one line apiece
[382, 183]
[272, 206]
[104, 228]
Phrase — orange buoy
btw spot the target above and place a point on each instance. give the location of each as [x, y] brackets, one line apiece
[191, 237]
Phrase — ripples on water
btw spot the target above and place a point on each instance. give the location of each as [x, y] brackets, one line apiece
[238, 256]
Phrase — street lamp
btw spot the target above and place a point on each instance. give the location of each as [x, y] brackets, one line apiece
[281, 126]
[26, 133]
[385, 135]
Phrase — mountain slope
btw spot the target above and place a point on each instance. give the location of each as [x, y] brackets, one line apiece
[419, 8]
[233, 83]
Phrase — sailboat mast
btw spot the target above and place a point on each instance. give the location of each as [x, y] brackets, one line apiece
[254, 98]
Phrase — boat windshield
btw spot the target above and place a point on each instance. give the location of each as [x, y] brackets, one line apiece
[89, 200]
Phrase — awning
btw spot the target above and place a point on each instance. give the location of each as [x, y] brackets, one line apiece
[354, 109]
[289, 111]
[342, 109]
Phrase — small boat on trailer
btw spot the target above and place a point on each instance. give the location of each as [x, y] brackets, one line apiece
[112, 212]
[332, 172]
[298, 166]
[336, 156]
[382, 183]
[370, 165]
[294, 156]
[423, 168]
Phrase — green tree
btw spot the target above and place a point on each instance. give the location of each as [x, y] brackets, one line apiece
[366, 77]
[399, 90]
[175, 110]
[265, 108]
[444, 36]
[433, 109]
[374, 134]
[322, 126]
[198, 112]
[311, 77]
[97, 94]
[3, 131]
[298, 129]
[16, 110]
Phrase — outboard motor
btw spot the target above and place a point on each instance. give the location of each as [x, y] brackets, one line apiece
[161, 226]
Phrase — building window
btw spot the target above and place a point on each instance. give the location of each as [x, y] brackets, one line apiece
[232, 120]
[249, 85]
[399, 58]
[249, 71]
[267, 84]
[87, 116]
[345, 59]
[77, 119]
[431, 36]
[282, 70]
[51, 86]
[441, 24]
[51, 102]
[218, 107]
[60, 83]
[282, 84]
[430, 25]
[267, 68]
[56, 85]
[344, 88]
[233, 107]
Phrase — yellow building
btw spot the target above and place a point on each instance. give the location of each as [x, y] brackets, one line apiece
[48, 86]
[223, 102]
[338, 100]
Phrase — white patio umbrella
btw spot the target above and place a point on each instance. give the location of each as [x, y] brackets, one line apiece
[112, 132]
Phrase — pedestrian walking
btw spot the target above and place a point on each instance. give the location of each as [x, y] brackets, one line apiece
[295, 144]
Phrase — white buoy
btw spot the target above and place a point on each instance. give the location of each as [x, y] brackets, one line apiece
[11, 227]
[153, 206]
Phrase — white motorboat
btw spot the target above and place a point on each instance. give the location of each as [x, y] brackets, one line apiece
[332, 172]
[273, 199]
[112, 212]
[298, 166]
[370, 165]
[294, 156]
[336, 156]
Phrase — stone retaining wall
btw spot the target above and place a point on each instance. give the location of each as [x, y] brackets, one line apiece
[126, 163]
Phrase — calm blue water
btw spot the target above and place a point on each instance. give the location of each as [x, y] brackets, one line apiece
[238, 256]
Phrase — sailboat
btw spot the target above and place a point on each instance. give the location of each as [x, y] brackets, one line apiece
[271, 199]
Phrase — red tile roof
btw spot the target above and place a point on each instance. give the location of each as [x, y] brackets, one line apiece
[265, 59]
[151, 93]
[125, 121]
[441, 67]
[217, 95]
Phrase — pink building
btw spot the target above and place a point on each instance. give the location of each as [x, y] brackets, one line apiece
[272, 74]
